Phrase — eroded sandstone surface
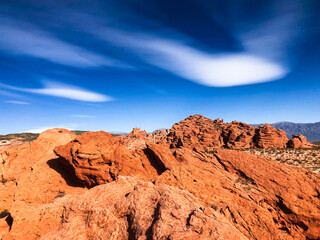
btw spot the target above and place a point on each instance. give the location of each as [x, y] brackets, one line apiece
[7, 144]
[32, 178]
[200, 132]
[203, 133]
[180, 183]
[263, 199]
[130, 209]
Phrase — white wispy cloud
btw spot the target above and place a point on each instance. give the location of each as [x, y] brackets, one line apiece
[186, 61]
[9, 94]
[26, 39]
[220, 70]
[64, 91]
[277, 33]
[82, 116]
[18, 102]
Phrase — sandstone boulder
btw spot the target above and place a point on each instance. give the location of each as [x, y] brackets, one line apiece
[299, 141]
[32, 179]
[97, 158]
[130, 209]
[269, 137]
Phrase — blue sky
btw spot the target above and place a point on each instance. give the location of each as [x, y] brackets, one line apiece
[118, 64]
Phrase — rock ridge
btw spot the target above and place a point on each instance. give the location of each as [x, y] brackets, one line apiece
[198, 131]
[188, 182]
[263, 199]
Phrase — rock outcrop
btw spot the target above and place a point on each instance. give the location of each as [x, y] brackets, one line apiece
[203, 133]
[130, 209]
[299, 141]
[180, 184]
[32, 178]
[98, 158]
[310, 130]
[268, 137]
[138, 138]
[263, 199]
[199, 132]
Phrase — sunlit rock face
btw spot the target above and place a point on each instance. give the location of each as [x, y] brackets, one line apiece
[180, 183]
[263, 199]
[203, 133]
[33, 182]
[130, 209]
[299, 141]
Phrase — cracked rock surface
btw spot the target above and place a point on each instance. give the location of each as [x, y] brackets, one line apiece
[263, 199]
[170, 185]
[130, 209]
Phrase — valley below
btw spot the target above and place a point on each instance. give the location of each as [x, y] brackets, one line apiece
[307, 158]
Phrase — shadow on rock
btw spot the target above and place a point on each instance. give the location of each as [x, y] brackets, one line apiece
[65, 173]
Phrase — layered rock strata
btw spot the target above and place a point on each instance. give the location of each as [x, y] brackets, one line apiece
[263, 199]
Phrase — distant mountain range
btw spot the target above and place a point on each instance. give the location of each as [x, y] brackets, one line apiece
[310, 130]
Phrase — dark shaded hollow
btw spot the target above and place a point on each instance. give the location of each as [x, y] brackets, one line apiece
[66, 173]
[130, 229]
[156, 216]
[282, 206]
[9, 220]
[155, 161]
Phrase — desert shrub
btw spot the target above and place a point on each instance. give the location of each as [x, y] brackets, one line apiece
[245, 181]
[211, 152]
[26, 137]
[59, 195]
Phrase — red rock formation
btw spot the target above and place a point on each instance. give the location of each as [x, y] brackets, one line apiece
[261, 198]
[32, 178]
[4, 227]
[203, 133]
[139, 138]
[136, 139]
[97, 158]
[160, 135]
[269, 137]
[127, 209]
[224, 194]
[299, 141]
[198, 132]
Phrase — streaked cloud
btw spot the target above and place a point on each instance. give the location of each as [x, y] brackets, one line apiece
[63, 91]
[9, 94]
[219, 70]
[17, 102]
[194, 64]
[82, 116]
[275, 34]
[28, 40]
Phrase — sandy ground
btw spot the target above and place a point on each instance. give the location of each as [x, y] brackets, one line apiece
[7, 144]
[307, 158]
